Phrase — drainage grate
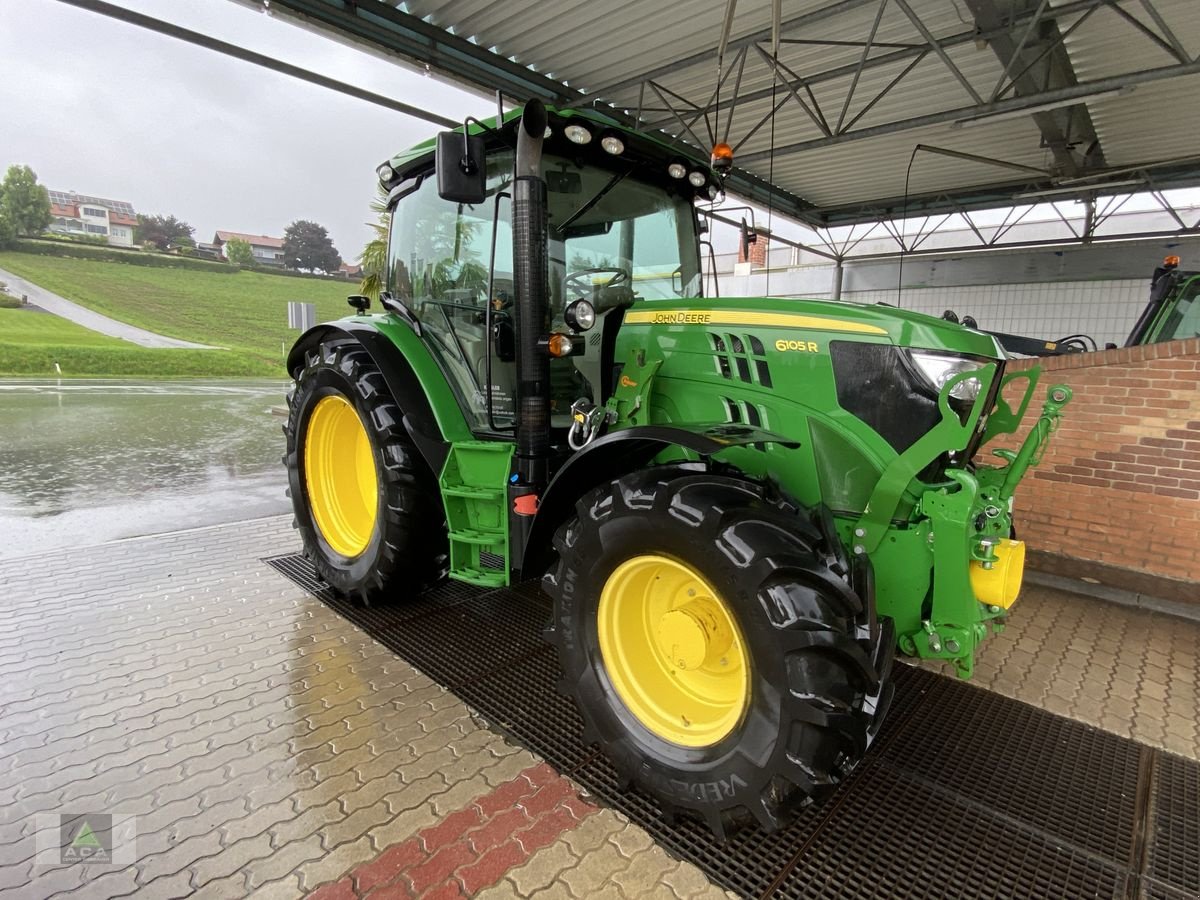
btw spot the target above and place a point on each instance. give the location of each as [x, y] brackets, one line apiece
[966, 794]
[1174, 843]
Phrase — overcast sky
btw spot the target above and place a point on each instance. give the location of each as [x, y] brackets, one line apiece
[105, 108]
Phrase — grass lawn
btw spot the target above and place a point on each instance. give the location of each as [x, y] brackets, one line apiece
[32, 342]
[246, 313]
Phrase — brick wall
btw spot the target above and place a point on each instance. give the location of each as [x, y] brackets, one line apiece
[758, 250]
[1120, 484]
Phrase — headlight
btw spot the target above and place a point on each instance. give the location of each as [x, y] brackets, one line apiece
[577, 134]
[385, 172]
[612, 144]
[939, 369]
[697, 178]
[580, 315]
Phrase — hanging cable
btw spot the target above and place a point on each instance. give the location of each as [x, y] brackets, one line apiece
[721, 47]
[903, 217]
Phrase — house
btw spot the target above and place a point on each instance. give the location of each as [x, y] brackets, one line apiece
[114, 220]
[268, 251]
[349, 270]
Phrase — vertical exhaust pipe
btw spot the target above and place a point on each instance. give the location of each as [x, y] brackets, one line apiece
[531, 283]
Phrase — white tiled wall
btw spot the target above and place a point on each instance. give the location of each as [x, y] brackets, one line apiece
[1106, 310]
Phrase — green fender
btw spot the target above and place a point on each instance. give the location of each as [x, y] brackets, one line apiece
[618, 453]
[432, 415]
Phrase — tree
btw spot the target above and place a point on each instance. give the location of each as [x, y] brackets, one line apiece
[24, 204]
[162, 231]
[373, 258]
[8, 231]
[239, 253]
[306, 245]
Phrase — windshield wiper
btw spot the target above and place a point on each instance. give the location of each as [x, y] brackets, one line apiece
[612, 183]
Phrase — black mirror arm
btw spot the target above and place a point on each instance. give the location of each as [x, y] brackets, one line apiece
[468, 164]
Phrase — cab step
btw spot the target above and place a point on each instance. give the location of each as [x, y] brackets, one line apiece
[473, 485]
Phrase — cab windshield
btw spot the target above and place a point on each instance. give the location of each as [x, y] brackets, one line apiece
[614, 237]
[1183, 321]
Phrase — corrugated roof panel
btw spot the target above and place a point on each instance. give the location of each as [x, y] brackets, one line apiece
[1156, 122]
[1107, 44]
[876, 168]
[607, 48]
[1151, 122]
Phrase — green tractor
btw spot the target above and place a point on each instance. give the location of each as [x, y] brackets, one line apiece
[740, 507]
[1173, 311]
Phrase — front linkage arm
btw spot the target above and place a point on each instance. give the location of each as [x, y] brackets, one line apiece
[966, 519]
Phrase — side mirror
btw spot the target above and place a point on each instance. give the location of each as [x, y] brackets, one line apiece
[748, 237]
[461, 169]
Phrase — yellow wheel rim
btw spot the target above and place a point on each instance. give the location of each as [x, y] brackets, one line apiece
[339, 472]
[672, 651]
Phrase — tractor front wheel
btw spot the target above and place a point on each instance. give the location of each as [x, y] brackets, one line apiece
[367, 507]
[718, 644]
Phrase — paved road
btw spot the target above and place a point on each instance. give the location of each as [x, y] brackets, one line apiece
[81, 315]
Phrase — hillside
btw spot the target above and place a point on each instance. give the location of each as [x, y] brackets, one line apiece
[243, 312]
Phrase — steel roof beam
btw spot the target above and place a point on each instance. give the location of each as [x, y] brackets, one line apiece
[1175, 43]
[963, 37]
[1175, 49]
[1166, 175]
[386, 26]
[168, 29]
[937, 48]
[1081, 91]
[764, 34]
[1060, 129]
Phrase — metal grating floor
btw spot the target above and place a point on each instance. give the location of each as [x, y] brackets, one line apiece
[966, 794]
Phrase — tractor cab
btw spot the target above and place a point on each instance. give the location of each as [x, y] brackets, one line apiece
[620, 226]
[1173, 311]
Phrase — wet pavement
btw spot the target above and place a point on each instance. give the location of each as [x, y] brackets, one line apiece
[231, 735]
[88, 461]
[246, 740]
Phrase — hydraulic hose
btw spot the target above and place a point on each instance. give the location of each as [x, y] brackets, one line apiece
[531, 283]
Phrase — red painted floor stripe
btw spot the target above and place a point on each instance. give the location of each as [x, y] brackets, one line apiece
[471, 848]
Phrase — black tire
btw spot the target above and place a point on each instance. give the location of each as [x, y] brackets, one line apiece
[408, 548]
[784, 576]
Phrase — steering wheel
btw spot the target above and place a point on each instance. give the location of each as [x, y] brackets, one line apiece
[574, 282]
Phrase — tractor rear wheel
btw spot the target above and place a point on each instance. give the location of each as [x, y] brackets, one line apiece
[367, 507]
[719, 646]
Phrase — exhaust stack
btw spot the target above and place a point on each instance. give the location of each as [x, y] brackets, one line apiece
[531, 283]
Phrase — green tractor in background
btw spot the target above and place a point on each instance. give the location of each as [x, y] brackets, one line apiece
[741, 507]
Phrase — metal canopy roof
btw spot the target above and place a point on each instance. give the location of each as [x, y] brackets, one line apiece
[1009, 98]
